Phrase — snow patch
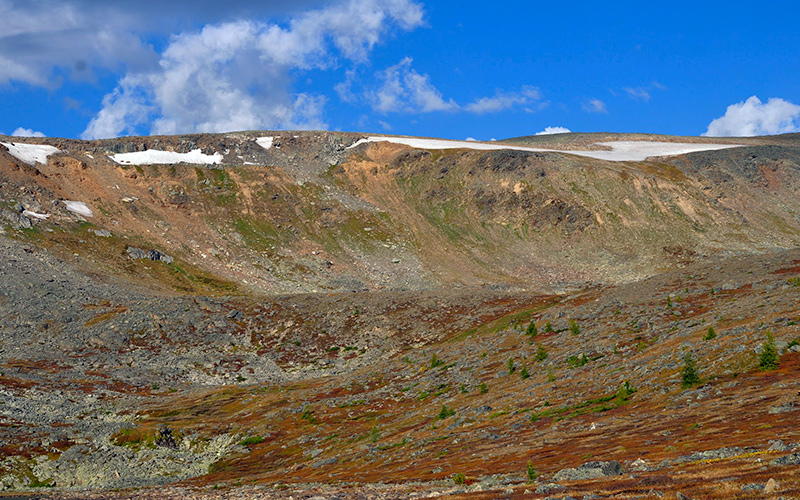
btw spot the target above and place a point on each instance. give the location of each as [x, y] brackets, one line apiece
[30, 153]
[155, 156]
[265, 142]
[79, 208]
[620, 150]
[29, 214]
[639, 150]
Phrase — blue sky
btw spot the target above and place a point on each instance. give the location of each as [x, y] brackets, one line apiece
[91, 69]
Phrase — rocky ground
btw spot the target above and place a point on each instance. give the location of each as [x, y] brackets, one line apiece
[137, 363]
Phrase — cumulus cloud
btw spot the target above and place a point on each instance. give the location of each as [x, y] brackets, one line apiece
[39, 36]
[402, 89]
[41, 41]
[595, 106]
[26, 132]
[504, 100]
[752, 117]
[239, 75]
[554, 130]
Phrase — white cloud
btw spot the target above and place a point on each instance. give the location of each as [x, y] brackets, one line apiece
[638, 93]
[37, 37]
[752, 117]
[239, 75]
[595, 106]
[26, 132]
[504, 100]
[45, 35]
[127, 107]
[658, 85]
[405, 90]
[554, 130]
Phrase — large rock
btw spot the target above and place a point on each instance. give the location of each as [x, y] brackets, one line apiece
[793, 459]
[155, 255]
[589, 470]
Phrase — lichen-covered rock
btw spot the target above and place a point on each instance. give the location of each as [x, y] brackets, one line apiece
[589, 470]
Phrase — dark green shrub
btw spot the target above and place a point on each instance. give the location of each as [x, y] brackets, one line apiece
[436, 361]
[533, 474]
[574, 328]
[710, 334]
[769, 355]
[548, 327]
[249, 441]
[446, 412]
[482, 388]
[524, 373]
[575, 361]
[308, 416]
[531, 331]
[689, 375]
[511, 366]
[541, 353]
[459, 478]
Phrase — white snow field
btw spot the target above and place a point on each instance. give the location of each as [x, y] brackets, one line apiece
[620, 150]
[30, 153]
[28, 213]
[265, 142]
[79, 208]
[155, 156]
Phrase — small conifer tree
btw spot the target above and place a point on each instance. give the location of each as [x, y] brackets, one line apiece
[689, 375]
[541, 353]
[532, 473]
[769, 355]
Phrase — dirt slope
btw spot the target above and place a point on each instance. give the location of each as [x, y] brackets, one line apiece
[308, 214]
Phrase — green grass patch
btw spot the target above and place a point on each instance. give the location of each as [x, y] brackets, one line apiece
[252, 440]
[597, 405]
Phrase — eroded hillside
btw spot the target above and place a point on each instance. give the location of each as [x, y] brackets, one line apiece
[311, 214]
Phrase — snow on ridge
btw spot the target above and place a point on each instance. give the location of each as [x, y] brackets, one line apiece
[640, 150]
[30, 153]
[265, 142]
[620, 150]
[155, 156]
[79, 208]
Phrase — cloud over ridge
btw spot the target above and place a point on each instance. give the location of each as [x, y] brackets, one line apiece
[239, 75]
[753, 117]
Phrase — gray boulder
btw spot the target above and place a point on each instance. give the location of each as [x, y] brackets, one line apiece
[545, 489]
[793, 459]
[589, 470]
[155, 255]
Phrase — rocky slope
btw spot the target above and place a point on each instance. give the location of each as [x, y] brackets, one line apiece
[313, 319]
[313, 214]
